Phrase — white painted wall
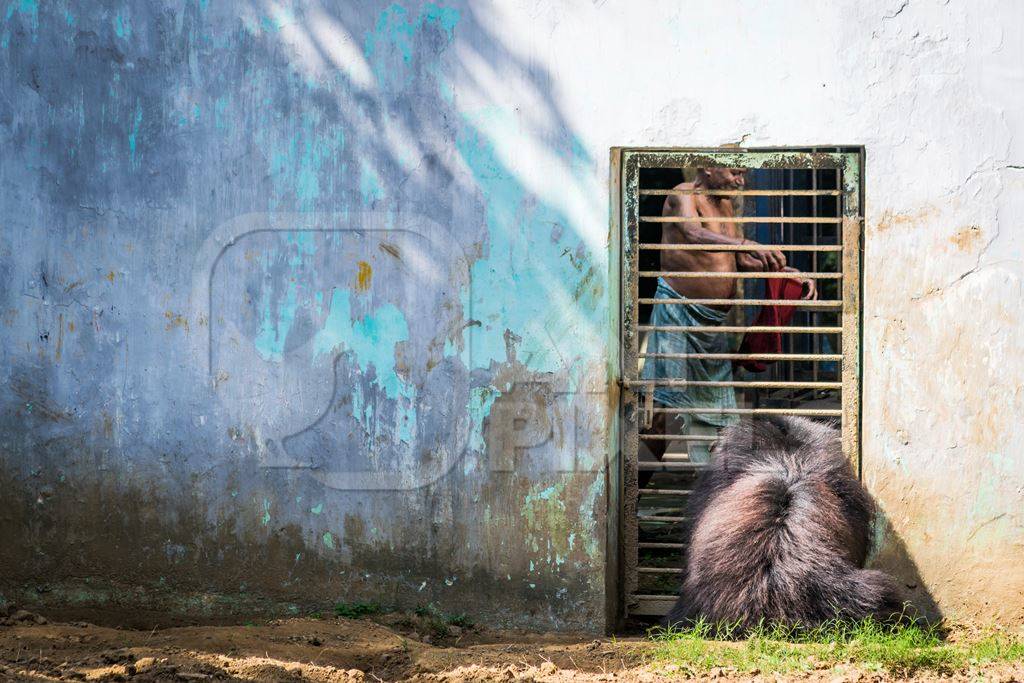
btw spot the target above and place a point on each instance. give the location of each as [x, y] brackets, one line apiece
[935, 92]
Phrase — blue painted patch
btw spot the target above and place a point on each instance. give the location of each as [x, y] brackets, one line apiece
[541, 279]
[445, 17]
[134, 134]
[25, 7]
[276, 324]
[395, 34]
[301, 162]
[481, 399]
[371, 340]
[122, 28]
[369, 183]
[266, 512]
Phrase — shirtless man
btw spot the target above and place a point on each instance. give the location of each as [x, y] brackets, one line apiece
[690, 208]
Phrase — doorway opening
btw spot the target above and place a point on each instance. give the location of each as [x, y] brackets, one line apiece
[740, 298]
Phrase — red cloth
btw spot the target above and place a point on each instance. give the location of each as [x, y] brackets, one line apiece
[770, 316]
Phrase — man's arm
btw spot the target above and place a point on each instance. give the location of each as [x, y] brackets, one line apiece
[692, 232]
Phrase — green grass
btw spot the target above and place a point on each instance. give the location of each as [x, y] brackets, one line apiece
[897, 649]
[356, 610]
[438, 622]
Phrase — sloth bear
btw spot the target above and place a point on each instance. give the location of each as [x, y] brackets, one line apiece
[780, 532]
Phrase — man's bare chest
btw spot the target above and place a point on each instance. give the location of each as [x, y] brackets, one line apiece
[706, 209]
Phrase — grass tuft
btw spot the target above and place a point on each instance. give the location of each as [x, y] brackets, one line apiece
[439, 622]
[356, 610]
[899, 649]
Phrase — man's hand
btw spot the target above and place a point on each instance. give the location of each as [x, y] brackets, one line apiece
[810, 288]
[767, 260]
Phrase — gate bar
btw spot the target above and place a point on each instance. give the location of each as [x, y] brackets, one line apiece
[806, 412]
[739, 328]
[704, 274]
[664, 492]
[748, 356]
[752, 385]
[658, 246]
[738, 219]
[820, 303]
[744, 193]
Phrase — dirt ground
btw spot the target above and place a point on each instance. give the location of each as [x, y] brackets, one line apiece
[388, 648]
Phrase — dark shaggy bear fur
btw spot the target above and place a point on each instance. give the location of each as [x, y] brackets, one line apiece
[781, 531]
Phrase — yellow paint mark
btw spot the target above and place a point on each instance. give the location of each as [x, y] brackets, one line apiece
[175, 320]
[966, 239]
[111, 276]
[364, 276]
[71, 326]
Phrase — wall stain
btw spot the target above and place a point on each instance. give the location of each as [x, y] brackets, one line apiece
[175, 320]
[364, 276]
[891, 219]
[391, 250]
[968, 238]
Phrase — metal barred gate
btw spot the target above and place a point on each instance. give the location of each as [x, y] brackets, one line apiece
[804, 203]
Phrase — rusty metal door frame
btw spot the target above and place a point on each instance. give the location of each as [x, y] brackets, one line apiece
[625, 219]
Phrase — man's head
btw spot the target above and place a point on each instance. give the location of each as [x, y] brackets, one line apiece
[723, 178]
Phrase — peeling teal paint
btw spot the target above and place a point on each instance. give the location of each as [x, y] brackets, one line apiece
[133, 135]
[281, 17]
[371, 341]
[297, 163]
[266, 512]
[211, 156]
[481, 399]
[546, 494]
[392, 31]
[28, 7]
[445, 17]
[220, 109]
[276, 323]
[394, 34]
[527, 265]
[369, 183]
[122, 27]
[278, 312]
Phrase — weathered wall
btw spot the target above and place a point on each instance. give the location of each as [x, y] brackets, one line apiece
[263, 263]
